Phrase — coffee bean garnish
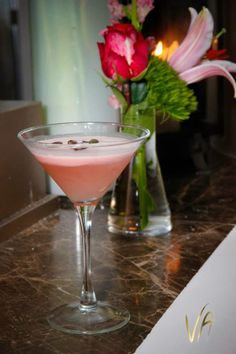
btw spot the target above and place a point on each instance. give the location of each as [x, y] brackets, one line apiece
[73, 142]
[78, 149]
[57, 142]
[93, 141]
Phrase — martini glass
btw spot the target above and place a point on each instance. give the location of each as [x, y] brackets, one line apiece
[84, 159]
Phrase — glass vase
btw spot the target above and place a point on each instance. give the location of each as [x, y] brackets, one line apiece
[139, 205]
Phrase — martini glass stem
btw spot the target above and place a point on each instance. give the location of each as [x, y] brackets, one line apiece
[87, 297]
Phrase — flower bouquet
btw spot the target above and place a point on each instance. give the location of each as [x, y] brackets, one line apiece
[143, 84]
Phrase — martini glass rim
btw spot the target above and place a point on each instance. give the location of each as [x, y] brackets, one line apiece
[30, 140]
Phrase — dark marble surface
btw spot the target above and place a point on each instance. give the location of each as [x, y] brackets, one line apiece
[40, 268]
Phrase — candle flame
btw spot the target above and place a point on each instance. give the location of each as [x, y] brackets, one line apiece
[164, 52]
[159, 49]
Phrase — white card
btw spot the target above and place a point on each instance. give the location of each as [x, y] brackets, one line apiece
[213, 285]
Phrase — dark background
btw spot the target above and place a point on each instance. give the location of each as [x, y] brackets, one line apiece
[187, 150]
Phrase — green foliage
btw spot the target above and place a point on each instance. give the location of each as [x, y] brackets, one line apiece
[158, 86]
[167, 92]
[146, 202]
[138, 91]
[140, 114]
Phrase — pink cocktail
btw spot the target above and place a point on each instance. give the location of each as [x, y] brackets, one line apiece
[83, 172]
[85, 159]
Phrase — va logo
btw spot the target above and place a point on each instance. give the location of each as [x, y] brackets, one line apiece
[204, 319]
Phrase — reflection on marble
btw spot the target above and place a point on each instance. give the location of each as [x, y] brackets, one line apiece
[40, 268]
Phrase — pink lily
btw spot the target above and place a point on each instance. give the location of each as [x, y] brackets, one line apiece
[188, 60]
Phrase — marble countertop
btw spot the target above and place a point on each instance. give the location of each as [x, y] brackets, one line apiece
[40, 268]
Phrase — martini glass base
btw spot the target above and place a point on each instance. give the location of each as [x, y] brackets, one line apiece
[75, 319]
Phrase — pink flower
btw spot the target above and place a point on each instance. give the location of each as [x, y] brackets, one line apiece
[188, 60]
[113, 102]
[124, 53]
[116, 9]
[143, 8]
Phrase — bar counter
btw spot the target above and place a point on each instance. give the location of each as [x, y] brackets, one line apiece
[40, 267]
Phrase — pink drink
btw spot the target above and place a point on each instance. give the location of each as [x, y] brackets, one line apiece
[85, 158]
[85, 172]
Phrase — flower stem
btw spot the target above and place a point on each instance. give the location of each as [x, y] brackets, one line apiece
[134, 18]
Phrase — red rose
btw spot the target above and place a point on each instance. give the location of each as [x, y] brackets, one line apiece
[124, 53]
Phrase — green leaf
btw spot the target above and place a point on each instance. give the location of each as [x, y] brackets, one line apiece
[108, 82]
[140, 177]
[138, 91]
